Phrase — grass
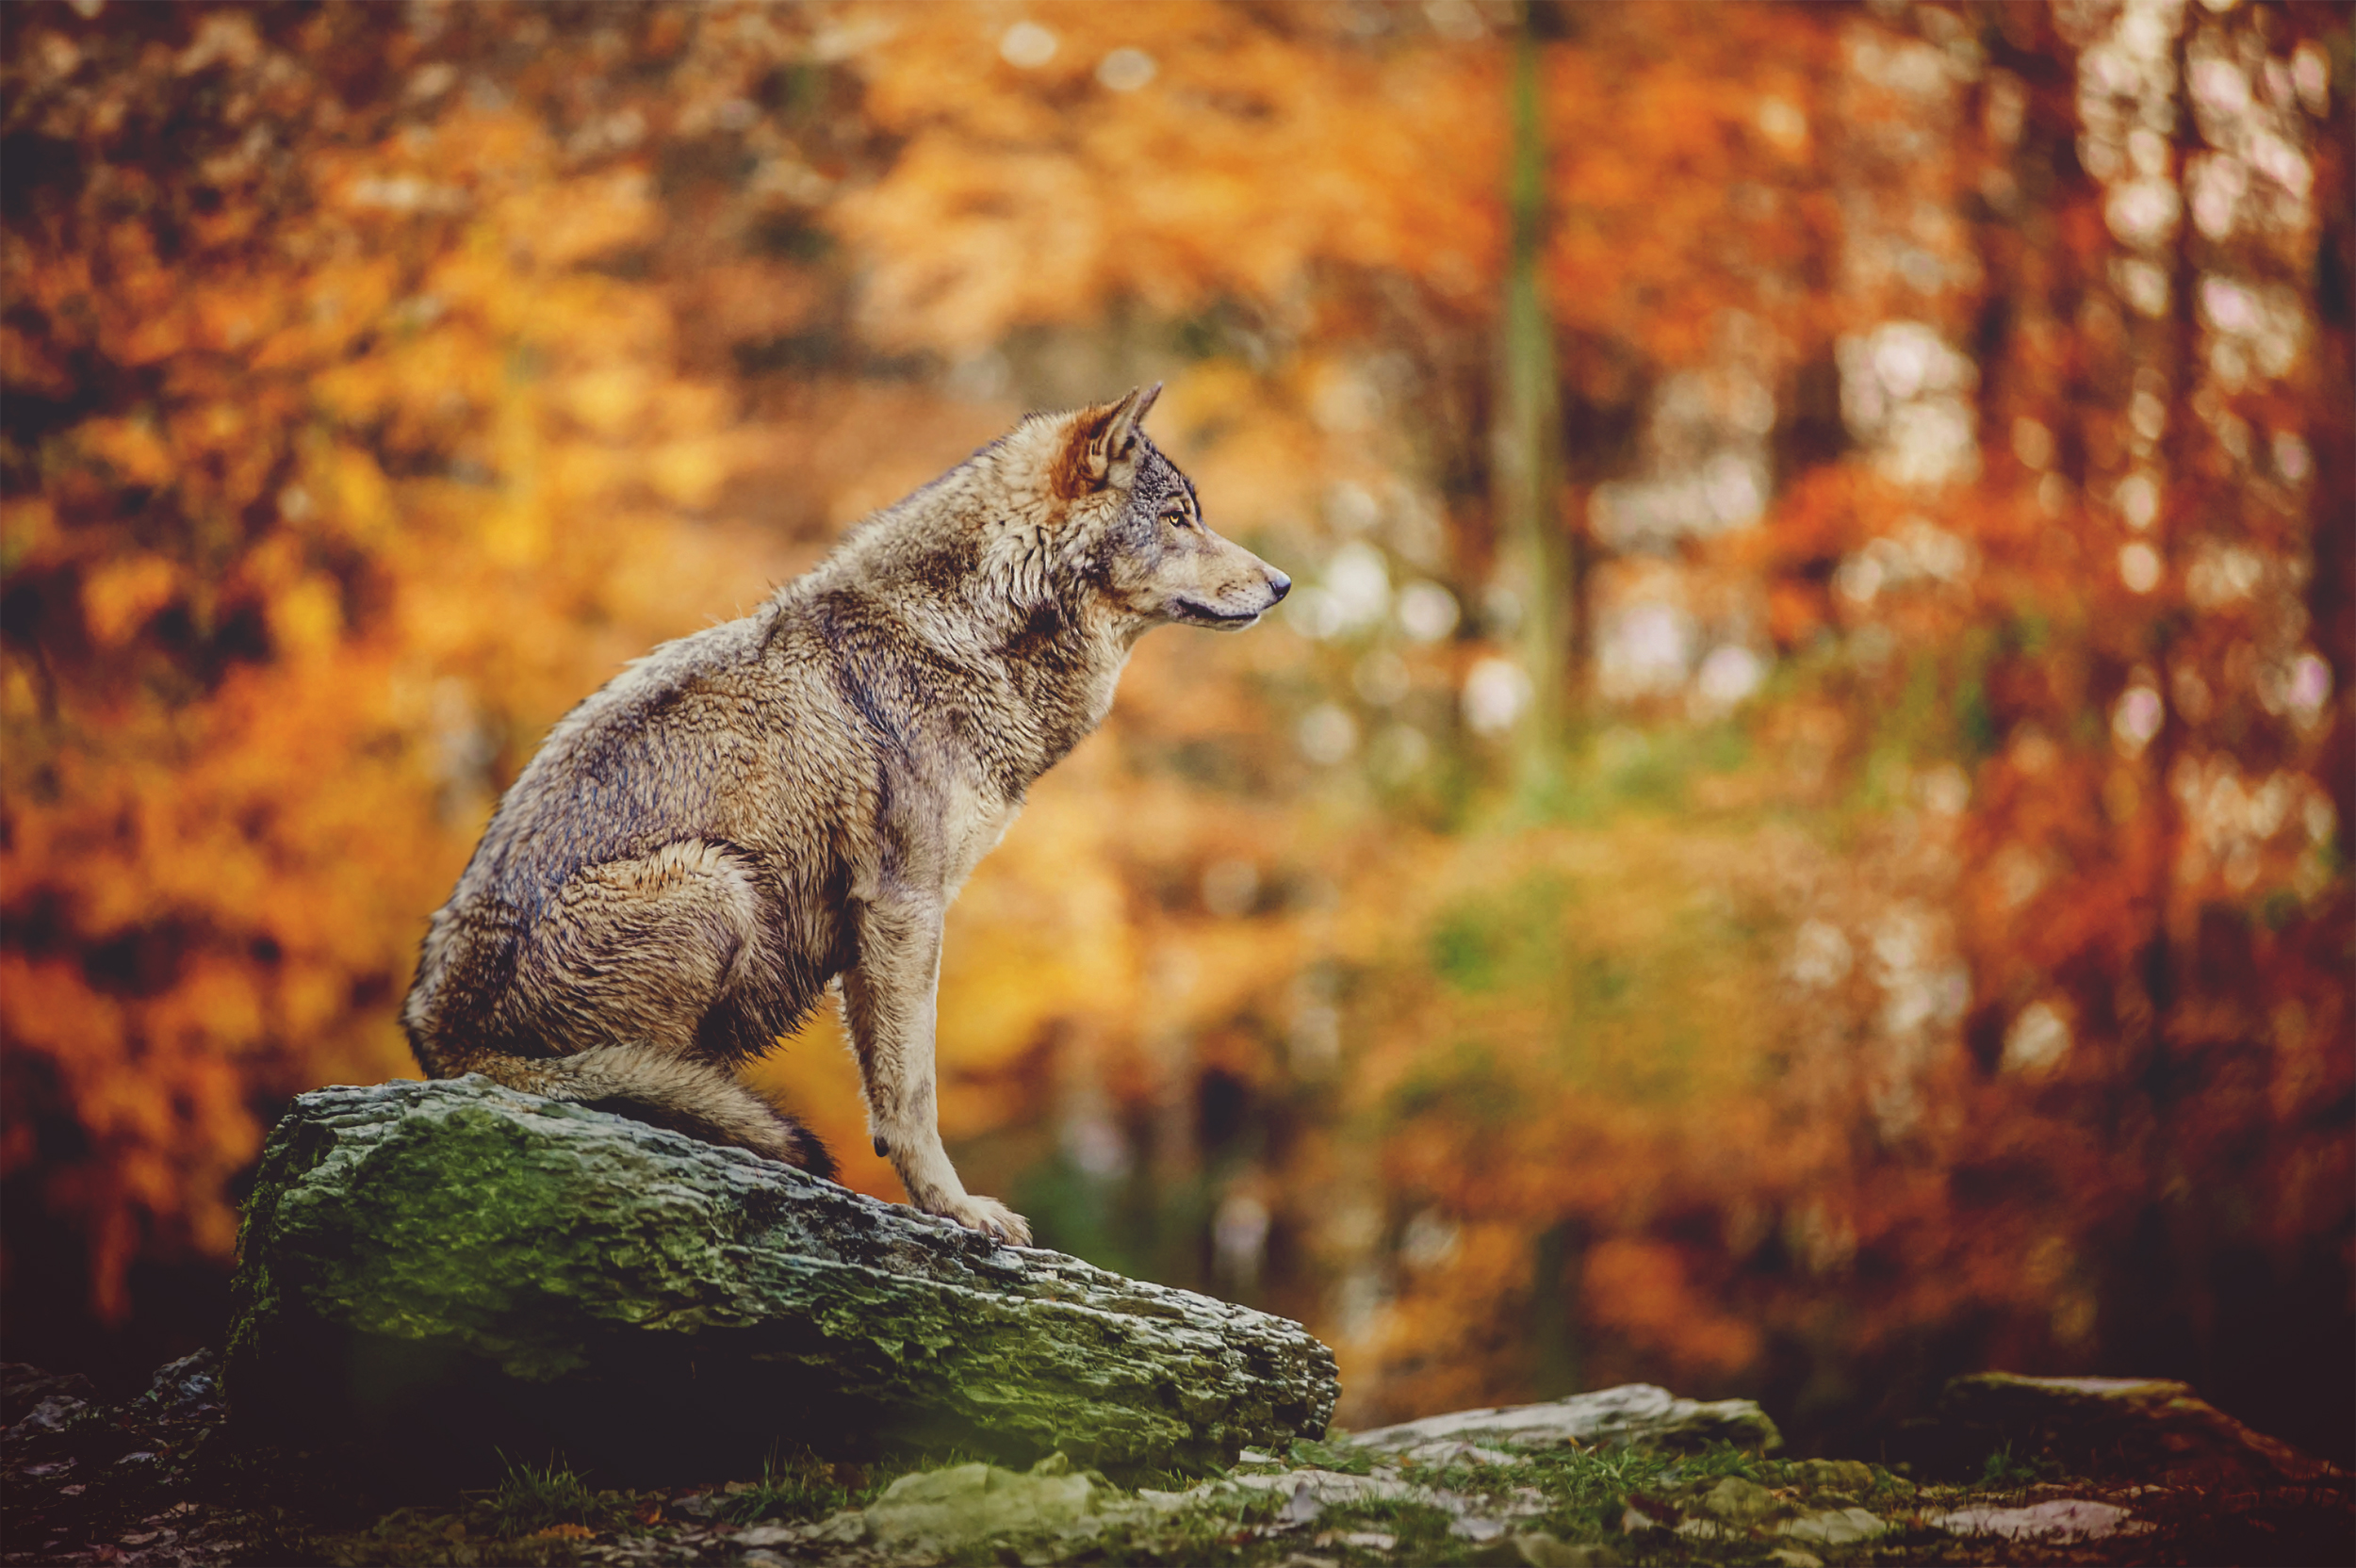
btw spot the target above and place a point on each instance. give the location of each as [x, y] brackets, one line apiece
[1210, 1534]
[1586, 1488]
[1422, 1530]
[1590, 1487]
[797, 1487]
[528, 1500]
[1346, 1458]
[2004, 1468]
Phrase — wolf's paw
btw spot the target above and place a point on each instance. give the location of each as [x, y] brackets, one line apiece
[988, 1215]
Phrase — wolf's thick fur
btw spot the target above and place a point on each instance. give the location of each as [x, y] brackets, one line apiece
[746, 814]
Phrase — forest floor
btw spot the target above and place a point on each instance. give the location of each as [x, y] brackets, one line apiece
[160, 1482]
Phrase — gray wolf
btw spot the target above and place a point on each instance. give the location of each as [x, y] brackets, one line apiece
[744, 815]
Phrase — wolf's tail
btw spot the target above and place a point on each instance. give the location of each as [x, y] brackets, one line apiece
[666, 1090]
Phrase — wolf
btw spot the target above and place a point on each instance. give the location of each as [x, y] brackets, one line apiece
[747, 815]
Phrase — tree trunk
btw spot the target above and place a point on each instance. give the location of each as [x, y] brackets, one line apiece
[1529, 434]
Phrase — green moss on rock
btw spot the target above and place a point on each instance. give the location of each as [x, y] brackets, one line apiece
[454, 1267]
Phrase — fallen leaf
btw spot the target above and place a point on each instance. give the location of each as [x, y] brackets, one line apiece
[561, 1532]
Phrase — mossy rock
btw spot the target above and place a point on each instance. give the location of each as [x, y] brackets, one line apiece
[452, 1270]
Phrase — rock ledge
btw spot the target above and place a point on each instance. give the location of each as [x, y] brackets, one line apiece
[463, 1268]
[1638, 1414]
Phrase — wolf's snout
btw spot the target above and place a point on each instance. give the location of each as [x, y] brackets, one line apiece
[1279, 585]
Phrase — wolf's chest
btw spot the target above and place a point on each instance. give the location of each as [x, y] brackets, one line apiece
[971, 829]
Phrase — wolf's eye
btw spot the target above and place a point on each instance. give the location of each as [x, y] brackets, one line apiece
[1177, 515]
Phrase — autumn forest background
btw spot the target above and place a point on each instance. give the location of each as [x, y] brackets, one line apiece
[1792, 838]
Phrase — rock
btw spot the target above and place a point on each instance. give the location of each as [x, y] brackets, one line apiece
[937, 1513]
[1635, 1521]
[768, 1535]
[451, 1267]
[52, 1414]
[24, 1389]
[1448, 1451]
[2147, 1429]
[1526, 1502]
[188, 1388]
[1834, 1527]
[1365, 1541]
[1302, 1508]
[1792, 1557]
[1637, 1415]
[1332, 1488]
[1739, 1501]
[1838, 1475]
[1537, 1549]
[1310, 1492]
[2058, 1522]
[842, 1528]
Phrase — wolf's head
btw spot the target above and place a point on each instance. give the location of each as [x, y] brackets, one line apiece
[1049, 552]
[1154, 557]
[1115, 524]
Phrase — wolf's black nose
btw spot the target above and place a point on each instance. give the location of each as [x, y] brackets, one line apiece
[1279, 583]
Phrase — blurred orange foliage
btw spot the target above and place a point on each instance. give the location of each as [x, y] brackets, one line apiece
[1932, 953]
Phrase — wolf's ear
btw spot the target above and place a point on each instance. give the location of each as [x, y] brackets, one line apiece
[1104, 449]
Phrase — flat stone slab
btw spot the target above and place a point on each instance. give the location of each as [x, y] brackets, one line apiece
[2060, 1521]
[2149, 1429]
[1638, 1415]
[460, 1266]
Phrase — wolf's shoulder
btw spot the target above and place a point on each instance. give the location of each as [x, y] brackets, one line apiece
[668, 671]
[650, 757]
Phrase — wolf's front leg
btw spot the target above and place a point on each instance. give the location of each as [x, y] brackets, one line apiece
[888, 998]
